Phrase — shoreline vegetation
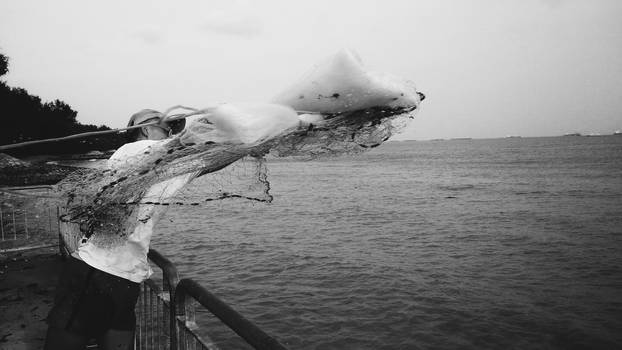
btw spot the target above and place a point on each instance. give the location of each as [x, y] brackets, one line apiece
[16, 172]
[26, 117]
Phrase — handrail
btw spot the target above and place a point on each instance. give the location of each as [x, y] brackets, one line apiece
[170, 276]
[170, 279]
[243, 327]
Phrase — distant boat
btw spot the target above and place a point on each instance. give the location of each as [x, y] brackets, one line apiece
[513, 137]
[573, 134]
[617, 132]
[593, 134]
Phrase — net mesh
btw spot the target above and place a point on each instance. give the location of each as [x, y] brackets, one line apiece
[103, 204]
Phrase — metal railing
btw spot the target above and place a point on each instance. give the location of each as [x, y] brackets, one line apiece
[165, 324]
[188, 288]
[23, 223]
[165, 315]
[154, 314]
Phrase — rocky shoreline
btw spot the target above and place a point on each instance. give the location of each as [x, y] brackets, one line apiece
[41, 170]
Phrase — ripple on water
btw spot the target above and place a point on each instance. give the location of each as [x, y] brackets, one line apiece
[525, 256]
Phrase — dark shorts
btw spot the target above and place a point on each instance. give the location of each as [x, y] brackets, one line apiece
[89, 301]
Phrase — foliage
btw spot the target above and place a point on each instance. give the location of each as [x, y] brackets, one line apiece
[24, 117]
[4, 64]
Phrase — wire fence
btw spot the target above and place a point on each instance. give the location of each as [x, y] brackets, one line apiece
[153, 318]
[25, 224]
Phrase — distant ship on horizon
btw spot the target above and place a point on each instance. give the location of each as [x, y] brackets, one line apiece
[617, 132]
[573, 134]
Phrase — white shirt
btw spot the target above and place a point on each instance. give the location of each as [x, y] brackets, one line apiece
[129, 260]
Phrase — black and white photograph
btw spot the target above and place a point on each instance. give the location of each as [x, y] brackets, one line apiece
[314, 175]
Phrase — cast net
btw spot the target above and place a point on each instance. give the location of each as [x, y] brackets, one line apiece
[225, 148]
[103, 204]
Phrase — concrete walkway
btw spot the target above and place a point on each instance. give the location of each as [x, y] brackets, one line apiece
[27, 284]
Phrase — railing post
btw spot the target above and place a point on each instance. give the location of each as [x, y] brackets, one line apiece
[170, 277]
[50, 217]
[1, 222]
[25, 221]
[14, 226]
[64, 252]
[179, 310]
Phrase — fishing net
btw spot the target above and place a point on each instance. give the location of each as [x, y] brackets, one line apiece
[226, 149]
[103, 203]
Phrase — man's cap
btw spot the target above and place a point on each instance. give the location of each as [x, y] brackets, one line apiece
[149, 115]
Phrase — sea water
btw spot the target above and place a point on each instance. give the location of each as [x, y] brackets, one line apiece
[470, 244]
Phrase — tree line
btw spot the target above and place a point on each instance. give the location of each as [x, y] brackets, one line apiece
[25, 117]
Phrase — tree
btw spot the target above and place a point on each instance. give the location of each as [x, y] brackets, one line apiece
[4, 65]
[24, 118]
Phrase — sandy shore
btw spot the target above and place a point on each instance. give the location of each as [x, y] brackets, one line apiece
[27, 284]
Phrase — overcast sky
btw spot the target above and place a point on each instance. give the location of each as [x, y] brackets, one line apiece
[489, 68]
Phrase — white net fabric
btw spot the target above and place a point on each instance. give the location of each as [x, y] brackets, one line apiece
[103, 203]
[224, 147]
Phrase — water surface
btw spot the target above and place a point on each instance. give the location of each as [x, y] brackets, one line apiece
[471, 244]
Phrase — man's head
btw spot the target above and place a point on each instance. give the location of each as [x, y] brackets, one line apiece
[159, 131]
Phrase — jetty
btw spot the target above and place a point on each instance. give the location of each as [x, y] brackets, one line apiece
[32, 254]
